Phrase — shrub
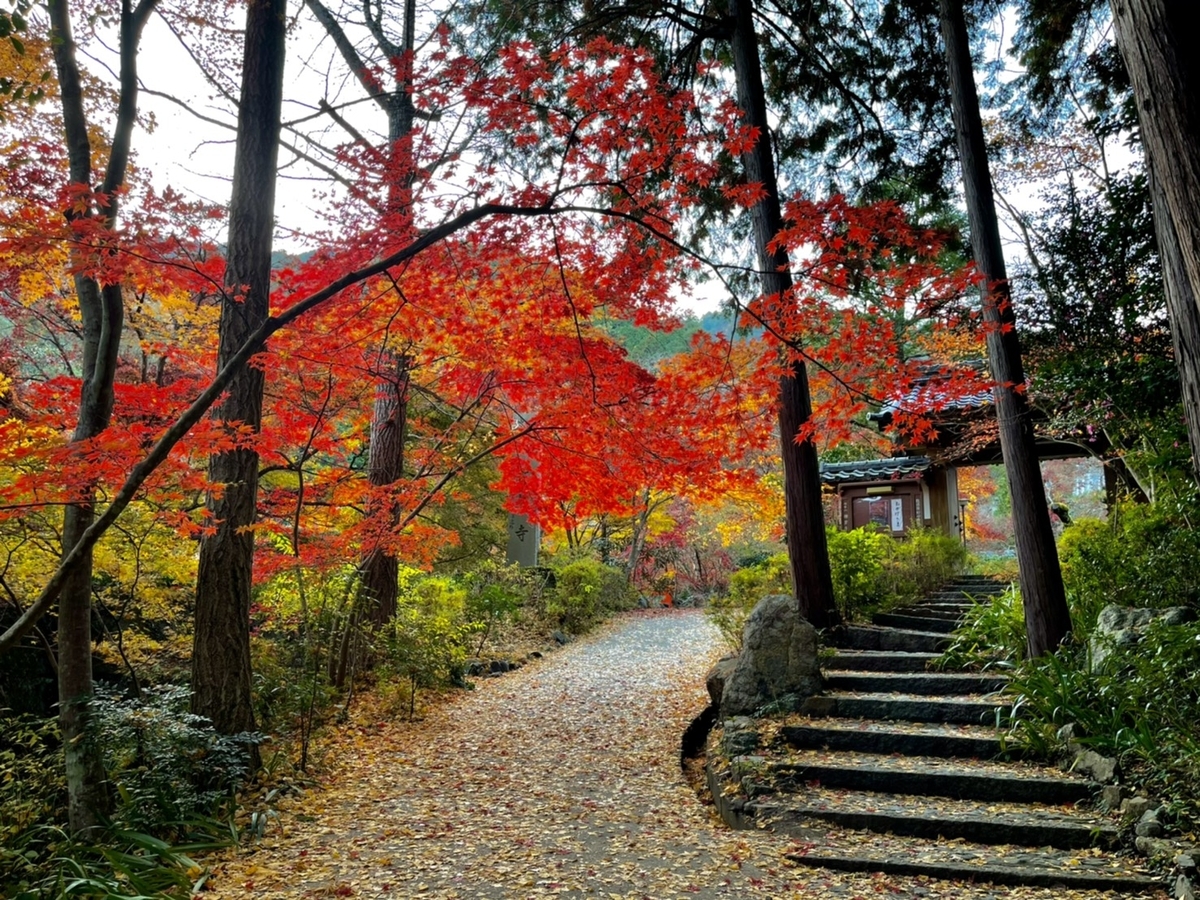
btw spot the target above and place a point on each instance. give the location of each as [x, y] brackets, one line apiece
[922, 562]
[871, 570]
[32, 787]
[1143, 556]
[425, 642]
[746, 587]
[169, 767]
[496, 593]
[856, 561]
[584, 591]
[113, 864]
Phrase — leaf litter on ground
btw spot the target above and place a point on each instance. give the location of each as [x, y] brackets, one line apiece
[560, 779]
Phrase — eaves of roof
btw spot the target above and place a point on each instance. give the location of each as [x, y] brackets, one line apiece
[874, 469]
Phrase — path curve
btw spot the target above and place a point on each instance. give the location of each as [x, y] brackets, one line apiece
[560, 779]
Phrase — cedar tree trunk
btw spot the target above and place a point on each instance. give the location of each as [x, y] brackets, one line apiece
[808, 552]
[1184, 312]
[1047, 619]
[1157, 40]
[221, 649]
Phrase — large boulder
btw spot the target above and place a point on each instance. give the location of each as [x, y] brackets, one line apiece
[1123, 626]
[778, 659]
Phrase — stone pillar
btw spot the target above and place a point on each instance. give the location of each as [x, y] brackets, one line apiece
[524, 540]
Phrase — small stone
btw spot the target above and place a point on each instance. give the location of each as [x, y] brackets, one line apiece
[1135, 807]
[739, 742]
[561, 637]
[1066, 734]
[819, 706]
[747, 763]
[1153, 847]
[1185, 862]
[1149, 825]
[717, 676]
[1100, 768]
[1110, 797]
[1183, 888]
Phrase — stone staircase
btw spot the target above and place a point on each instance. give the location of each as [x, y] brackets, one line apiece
[901, 770]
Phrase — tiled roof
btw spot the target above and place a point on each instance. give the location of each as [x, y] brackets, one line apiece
[873, 469]
[930, 395]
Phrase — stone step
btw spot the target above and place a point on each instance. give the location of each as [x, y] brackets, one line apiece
[915, 623]
[968, 596]
[873, 637]
[948, 608]
[978, 821]
[879, 661]
[925, 683]
[930, 612]
[925, 739]
[925, 776]
[1003, 867]
[904, 707]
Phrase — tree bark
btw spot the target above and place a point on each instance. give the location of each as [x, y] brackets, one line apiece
[1047, 618]
[388, 416]
[102, 310]
[1157, 40]
[385, 466]
[808, 551]
[1183, 311]
[221, 650]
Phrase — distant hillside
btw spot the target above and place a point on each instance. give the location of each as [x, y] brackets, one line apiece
[647, 347]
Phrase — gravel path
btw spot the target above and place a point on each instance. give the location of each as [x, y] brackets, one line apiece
[562, 778]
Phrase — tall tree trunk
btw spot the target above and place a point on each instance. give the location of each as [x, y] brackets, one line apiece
[1157, 40]
[385, 466]
[640, 523]
[386, 462]
[1047, 618]
[221, 649]
[389, 416]
[102, 310]
[808, 551]
[1182, 308]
